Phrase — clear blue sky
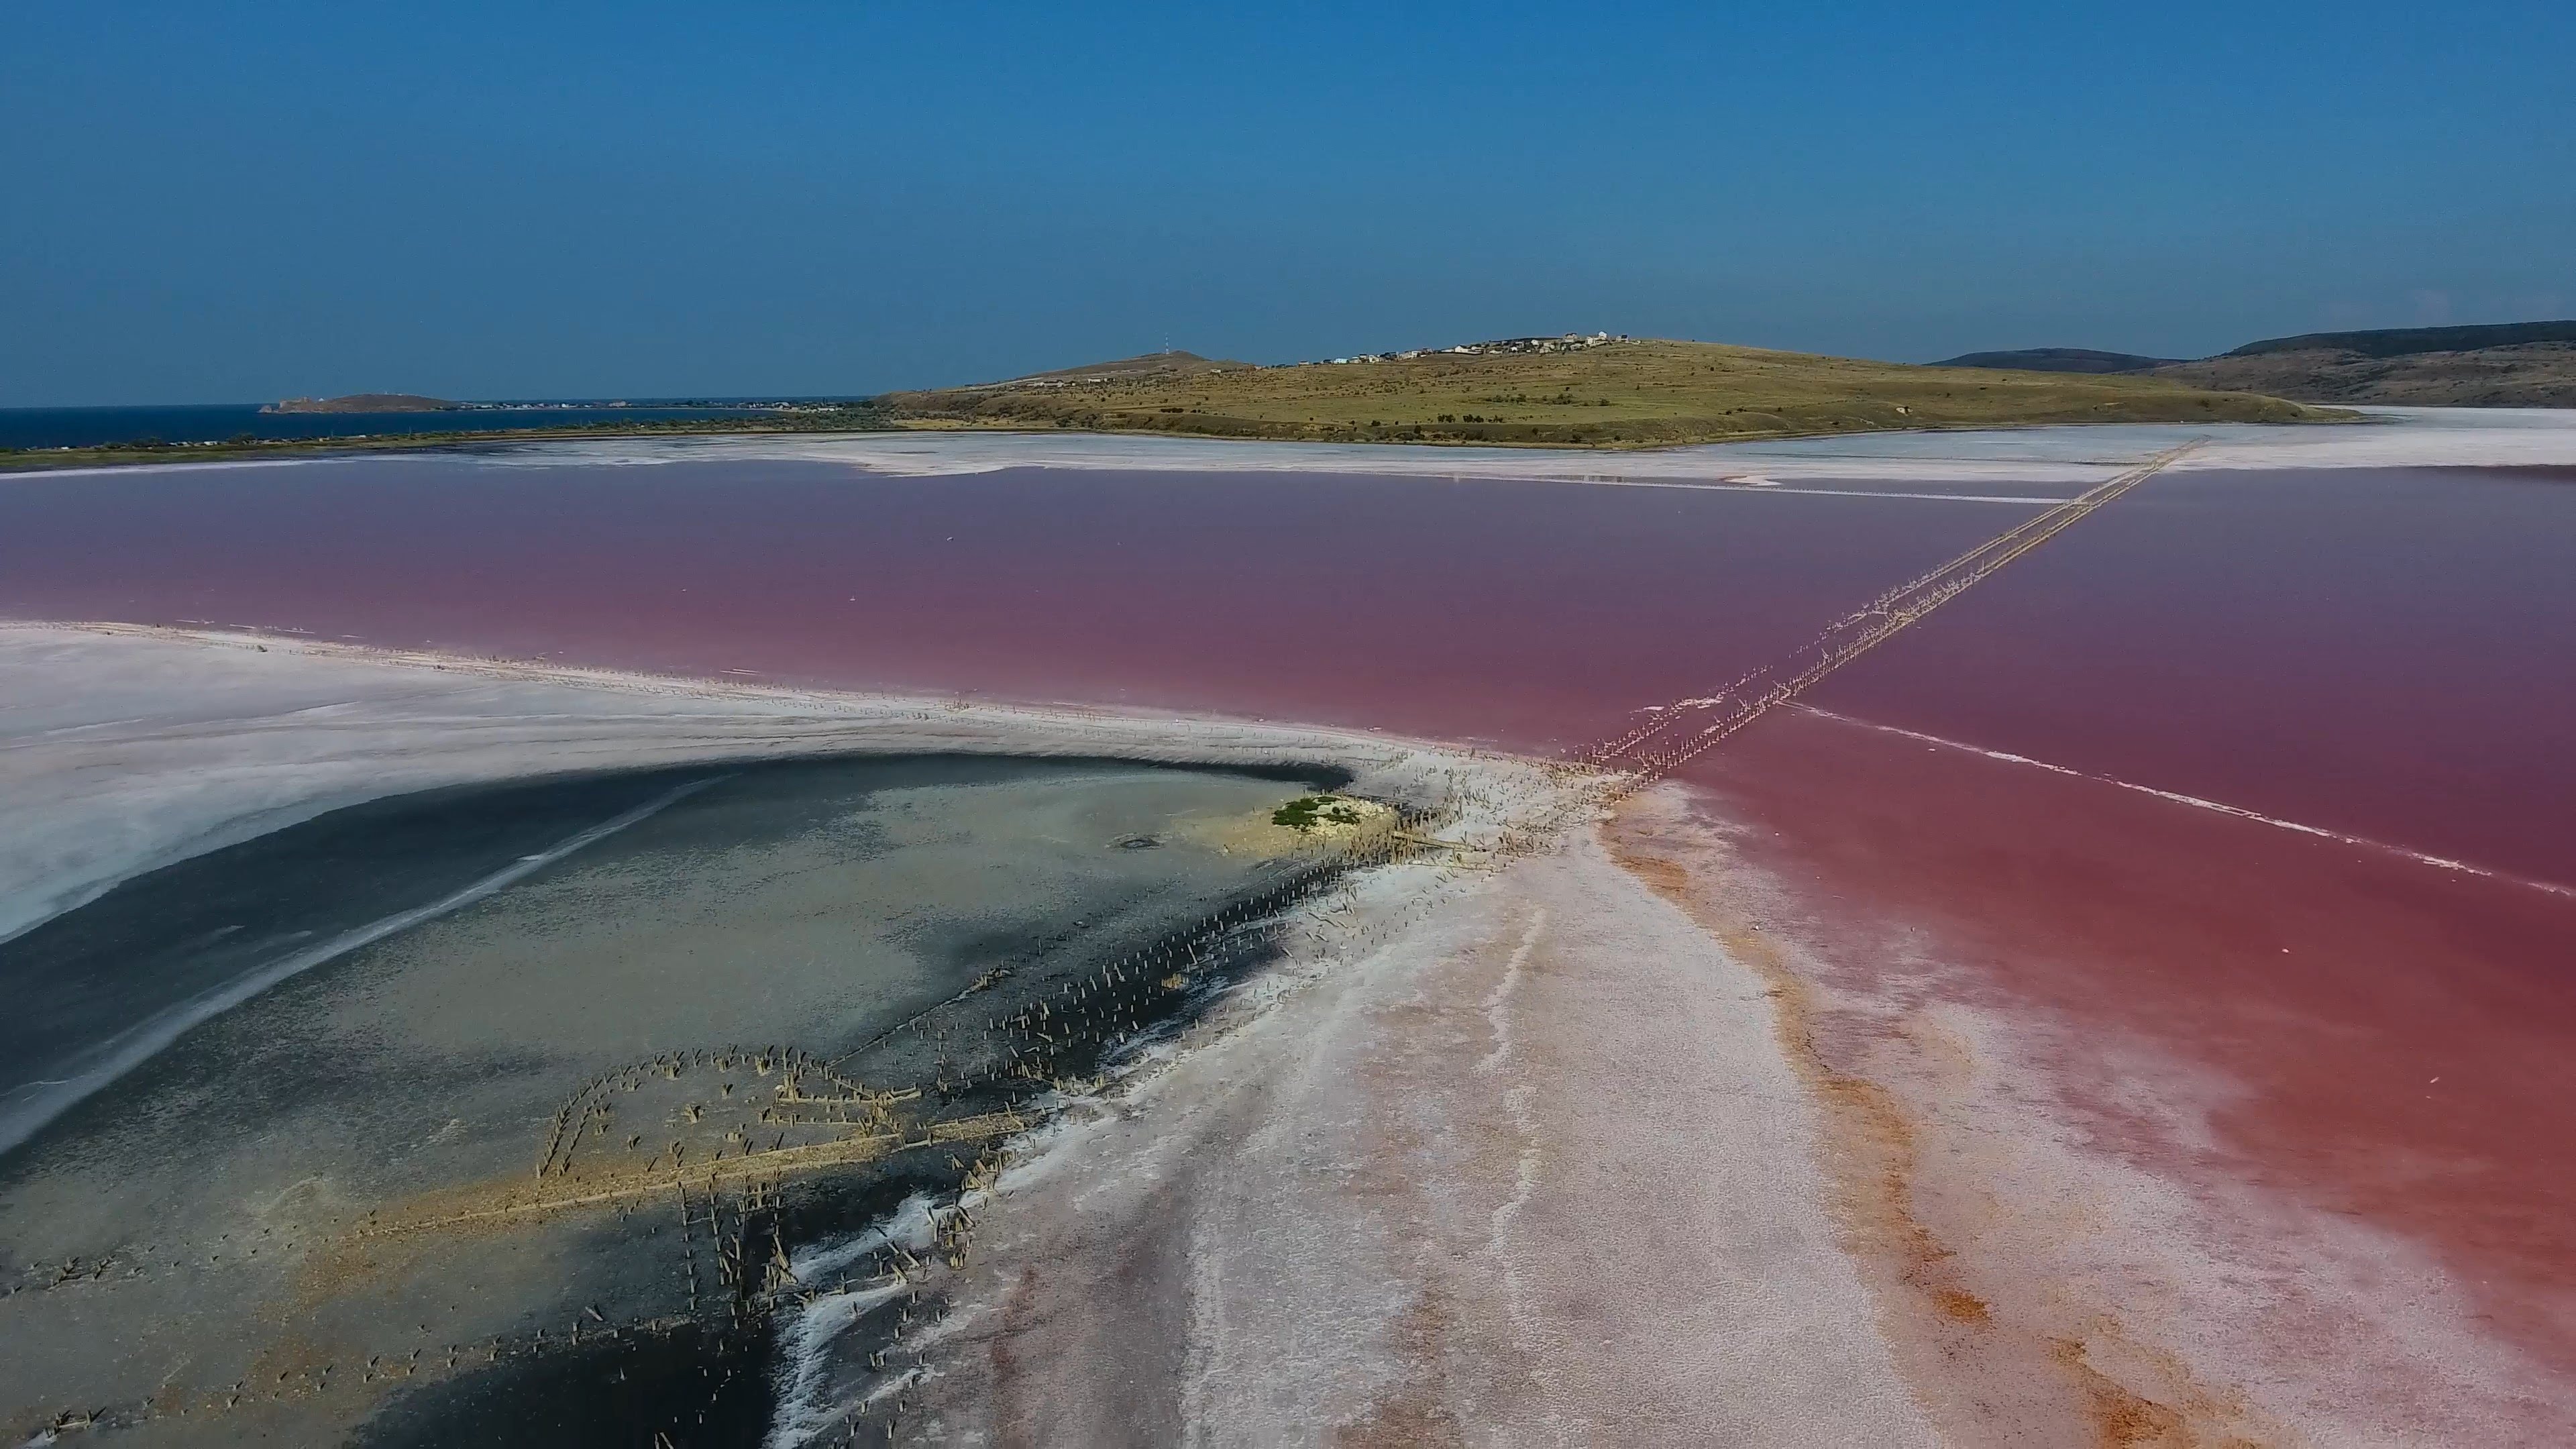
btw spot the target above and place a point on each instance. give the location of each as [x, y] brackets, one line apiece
[244, 201]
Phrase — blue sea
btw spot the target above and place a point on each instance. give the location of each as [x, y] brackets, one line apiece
[210, 423]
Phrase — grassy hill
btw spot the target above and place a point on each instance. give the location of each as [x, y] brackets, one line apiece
[1152, 364]
[1610, 393]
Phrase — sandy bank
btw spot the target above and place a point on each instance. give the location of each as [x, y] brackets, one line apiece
[1503, 1157]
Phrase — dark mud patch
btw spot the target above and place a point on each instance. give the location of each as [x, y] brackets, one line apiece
[684, 1386]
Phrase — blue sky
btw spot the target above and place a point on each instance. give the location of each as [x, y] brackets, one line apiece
[240, 202]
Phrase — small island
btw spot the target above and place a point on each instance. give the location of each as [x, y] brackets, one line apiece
[365, 402]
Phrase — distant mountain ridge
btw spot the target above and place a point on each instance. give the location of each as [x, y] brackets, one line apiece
[2058, 359]
[2505, 364]
[2412, 341]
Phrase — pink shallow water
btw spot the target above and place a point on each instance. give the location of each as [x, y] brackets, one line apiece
[1531, 613]
[2388, 1041]
[2377, 653]
[2382, 654]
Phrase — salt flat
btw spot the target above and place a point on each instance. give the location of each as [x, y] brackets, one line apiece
[2390, 437]
[256, 1193]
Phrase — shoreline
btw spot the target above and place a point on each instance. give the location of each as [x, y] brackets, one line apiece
[1476, 1091]
[1364, 960]
[655, 719]
[105, 456]
[2060, 1249]
[2050, 455]
[563, 709]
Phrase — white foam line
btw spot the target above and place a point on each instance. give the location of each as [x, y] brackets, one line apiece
[176, 465]
[1778, 489]
[805, 1361]
[2438, 862]
[137, 1044]
[909, 1226]
[801, 1414]
[1356, 467]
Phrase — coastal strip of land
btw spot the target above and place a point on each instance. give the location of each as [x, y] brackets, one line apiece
[250, 448]
[1595, 392]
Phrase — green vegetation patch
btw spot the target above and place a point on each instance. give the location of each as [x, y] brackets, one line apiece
[1308, 811]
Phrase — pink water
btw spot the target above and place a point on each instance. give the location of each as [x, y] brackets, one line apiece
[1523, 612]
[2382, 654]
